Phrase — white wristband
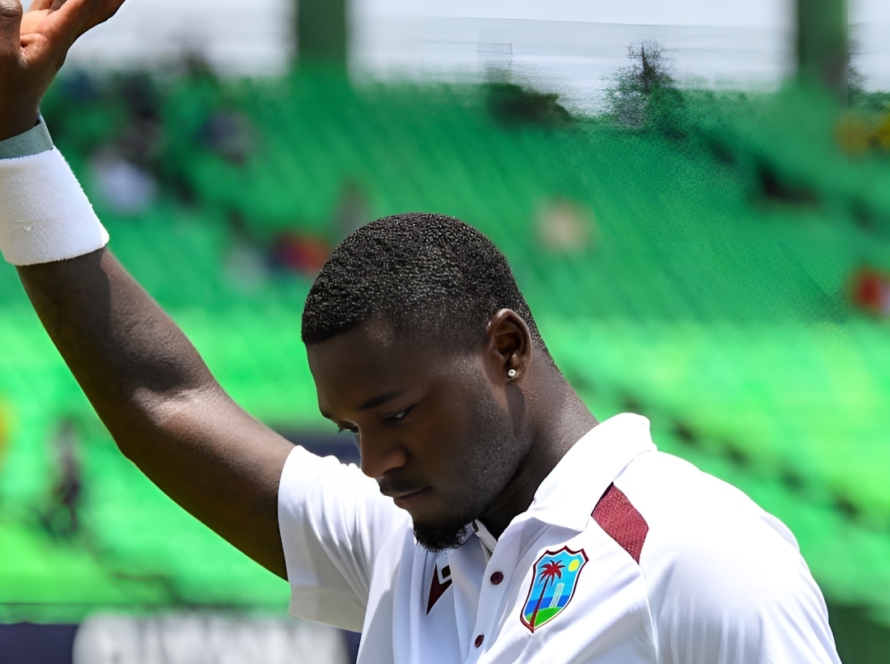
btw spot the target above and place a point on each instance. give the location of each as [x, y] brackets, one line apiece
[44, 214]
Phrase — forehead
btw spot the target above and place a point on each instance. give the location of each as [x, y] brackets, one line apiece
[374, 359]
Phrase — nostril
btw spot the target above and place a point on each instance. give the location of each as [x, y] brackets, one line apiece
[377, 460]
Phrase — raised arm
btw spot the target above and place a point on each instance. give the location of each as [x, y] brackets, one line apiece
[146, 381]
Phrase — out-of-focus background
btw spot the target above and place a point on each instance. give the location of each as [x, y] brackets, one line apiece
[695, 198]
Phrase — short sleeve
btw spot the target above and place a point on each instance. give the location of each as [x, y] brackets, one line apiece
[726, 582]
[334, 524]
[741, 595]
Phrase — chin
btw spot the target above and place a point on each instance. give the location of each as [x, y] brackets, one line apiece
[446, 523]
[441, 538]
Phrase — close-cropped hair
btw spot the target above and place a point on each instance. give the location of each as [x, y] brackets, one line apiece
[426, 274]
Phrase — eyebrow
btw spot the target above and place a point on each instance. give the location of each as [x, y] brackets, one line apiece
[380, 399]
[373, 402]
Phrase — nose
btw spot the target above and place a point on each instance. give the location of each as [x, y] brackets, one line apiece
[380, 453]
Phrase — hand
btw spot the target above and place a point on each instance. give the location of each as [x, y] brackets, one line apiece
[33, 47]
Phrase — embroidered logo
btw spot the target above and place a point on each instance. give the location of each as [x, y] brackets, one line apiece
[555, 577]
[439, 585]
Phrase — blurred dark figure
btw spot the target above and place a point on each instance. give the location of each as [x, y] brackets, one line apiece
[245, 262]
[230, 134]
[141, 95]
[124, 169]
[60, 518]
[352, 210]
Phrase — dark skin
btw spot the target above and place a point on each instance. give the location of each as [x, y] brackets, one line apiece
[159, 401]
[411, 405]
[173, 420]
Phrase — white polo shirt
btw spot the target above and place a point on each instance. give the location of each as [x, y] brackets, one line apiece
[626, 555]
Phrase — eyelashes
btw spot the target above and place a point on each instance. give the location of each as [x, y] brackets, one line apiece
[394, 419]
[400, 416]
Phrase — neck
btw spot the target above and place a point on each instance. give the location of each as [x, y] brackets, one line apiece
[559, 420]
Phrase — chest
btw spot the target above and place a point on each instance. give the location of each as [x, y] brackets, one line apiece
[545, 595]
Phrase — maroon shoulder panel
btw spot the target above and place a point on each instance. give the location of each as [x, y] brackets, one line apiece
[621, 521]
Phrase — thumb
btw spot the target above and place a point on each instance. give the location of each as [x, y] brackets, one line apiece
[10, 27]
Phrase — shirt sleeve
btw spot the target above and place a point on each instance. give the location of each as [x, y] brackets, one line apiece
[33, 141]
[334, 523]
[742, 595]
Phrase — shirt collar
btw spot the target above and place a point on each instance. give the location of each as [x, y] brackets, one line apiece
[487, 540]
[569, 493]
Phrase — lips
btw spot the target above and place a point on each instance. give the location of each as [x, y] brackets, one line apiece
[407, 499]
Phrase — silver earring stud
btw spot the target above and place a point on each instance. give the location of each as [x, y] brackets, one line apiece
[512, 373]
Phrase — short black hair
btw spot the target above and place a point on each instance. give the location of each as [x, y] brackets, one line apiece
[423, 273]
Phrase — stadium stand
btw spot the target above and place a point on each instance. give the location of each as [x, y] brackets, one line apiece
[705, 284]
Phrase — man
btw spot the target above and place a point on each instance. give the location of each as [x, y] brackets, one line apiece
[493, 519]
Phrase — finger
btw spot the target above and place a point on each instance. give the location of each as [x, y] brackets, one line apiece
[106, 11]
[10, 26]
[74, 17]
[66, 21]
[40, 5]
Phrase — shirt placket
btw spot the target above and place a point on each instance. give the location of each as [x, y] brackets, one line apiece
[498, 575]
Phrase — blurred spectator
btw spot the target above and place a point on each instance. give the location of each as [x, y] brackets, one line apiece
[60, 518]
[353, 210]
[295, 252]
[230, 134]
[142, 141]
[78, 86]
[141, 95]
[871, 291]
[245, 263]
[123, 186]
[565, 227]
[207, 639]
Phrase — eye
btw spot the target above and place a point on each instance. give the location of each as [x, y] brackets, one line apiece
[400, 416]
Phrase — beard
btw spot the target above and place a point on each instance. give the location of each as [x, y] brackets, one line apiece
[488, 465]
[435, 538]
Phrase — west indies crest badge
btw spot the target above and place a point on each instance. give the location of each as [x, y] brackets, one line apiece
[554, 579]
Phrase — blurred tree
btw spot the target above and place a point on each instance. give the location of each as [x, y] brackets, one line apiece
[644, 93]
[648, 70]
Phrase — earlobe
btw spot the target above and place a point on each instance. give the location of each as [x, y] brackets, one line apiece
[510, 343]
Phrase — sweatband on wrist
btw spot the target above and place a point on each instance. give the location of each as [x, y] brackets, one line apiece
[33, 141]
[44, 214]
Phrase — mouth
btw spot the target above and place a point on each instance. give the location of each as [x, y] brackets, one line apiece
[408, 499]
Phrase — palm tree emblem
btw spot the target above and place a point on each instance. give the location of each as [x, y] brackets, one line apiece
[554, 577]
[551, 571]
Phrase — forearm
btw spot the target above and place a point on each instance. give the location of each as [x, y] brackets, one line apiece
[159, 401]
[129, 357]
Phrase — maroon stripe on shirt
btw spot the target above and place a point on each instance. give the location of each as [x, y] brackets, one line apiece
[621, 521]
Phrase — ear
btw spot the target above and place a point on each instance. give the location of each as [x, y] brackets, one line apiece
[509, 344]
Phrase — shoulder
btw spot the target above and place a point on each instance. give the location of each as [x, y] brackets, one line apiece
[725, 579]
